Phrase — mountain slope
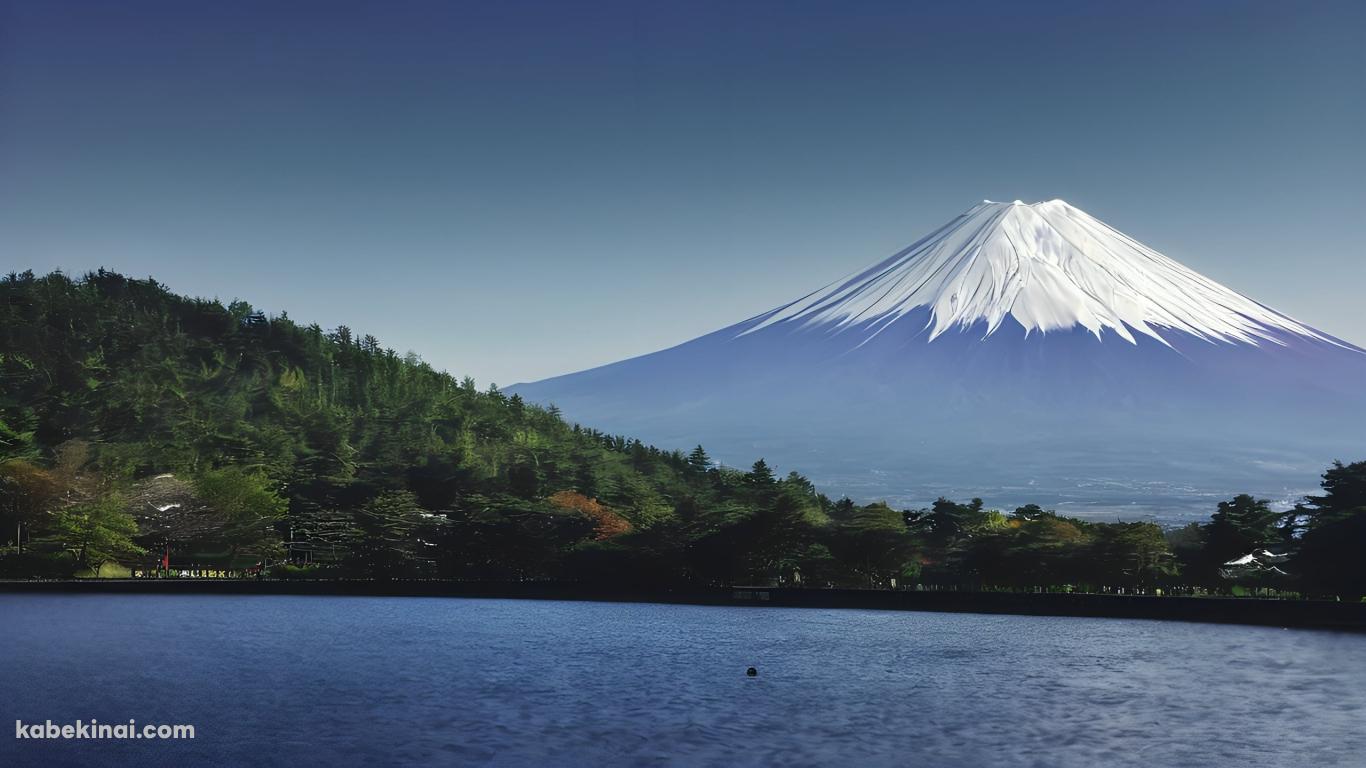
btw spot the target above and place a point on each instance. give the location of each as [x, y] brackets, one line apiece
[1028, 346]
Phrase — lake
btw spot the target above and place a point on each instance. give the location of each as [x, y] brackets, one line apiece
[282, 680]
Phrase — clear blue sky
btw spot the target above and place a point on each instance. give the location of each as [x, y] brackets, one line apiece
[515, 190]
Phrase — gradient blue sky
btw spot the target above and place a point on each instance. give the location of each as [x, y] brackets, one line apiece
[516, 190]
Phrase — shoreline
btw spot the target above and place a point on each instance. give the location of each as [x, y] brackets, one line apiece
[1302, 614]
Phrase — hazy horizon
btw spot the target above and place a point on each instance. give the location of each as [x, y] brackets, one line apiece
[529, 189]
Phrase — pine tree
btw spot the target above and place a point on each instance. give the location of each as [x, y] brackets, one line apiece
[1239, 527]
[698, 460]
[760, 475]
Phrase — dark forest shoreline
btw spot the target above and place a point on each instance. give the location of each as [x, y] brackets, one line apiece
[1303, 614]
[145, 433]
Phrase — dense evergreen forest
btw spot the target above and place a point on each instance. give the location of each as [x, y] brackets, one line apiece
[147, 433]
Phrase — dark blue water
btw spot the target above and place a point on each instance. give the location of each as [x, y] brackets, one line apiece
[316, 680]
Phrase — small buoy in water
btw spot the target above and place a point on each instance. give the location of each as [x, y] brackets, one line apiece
[752, 672]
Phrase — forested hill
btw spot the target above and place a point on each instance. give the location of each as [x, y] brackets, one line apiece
[141, 382]
[140, 430]
[158, 383]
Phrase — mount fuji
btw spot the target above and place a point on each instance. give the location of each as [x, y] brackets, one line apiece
[1022, 353]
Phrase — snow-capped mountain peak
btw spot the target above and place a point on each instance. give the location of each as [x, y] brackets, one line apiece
[1047, 266]
[971, 359]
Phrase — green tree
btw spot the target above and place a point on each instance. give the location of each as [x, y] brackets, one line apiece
[760, 475]
[97, 532]
[948, 522]
[395, 538]
[872, 542]
[1130, 555]
[1238, 527]
[15, 443]
[1329, 557]
[698, 460]
[1344, 487]
[245, 507]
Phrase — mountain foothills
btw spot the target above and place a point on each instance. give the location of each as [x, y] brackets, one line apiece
[1020, 352]
[148, 433]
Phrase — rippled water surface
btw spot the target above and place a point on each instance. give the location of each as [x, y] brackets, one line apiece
[321, 680]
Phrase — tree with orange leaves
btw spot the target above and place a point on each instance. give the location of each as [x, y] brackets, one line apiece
[606, 522]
